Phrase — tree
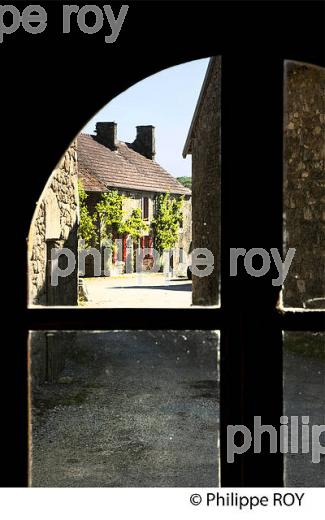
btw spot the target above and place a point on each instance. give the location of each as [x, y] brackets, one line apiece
[185, 181]
[167, 221]
[135, 226]
[109, 211]
[87, 227]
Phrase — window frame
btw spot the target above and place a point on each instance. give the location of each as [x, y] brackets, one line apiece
[145, 208]
[249, 307]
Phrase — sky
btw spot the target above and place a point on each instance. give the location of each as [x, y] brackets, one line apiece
[166, 100]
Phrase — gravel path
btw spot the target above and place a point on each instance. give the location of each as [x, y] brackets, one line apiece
[131, 409]
[304, 395]
[141, 409]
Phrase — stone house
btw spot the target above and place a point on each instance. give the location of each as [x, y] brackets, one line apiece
[203, 143]
[105, 163]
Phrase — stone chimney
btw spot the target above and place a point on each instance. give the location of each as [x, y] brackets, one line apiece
[145, 141]
[107, 134]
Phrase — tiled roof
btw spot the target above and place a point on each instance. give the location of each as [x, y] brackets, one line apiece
[101, 168]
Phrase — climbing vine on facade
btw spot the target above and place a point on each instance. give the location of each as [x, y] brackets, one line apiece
[87, 230]
[167, 221]
[109, 220]
[109, 211]
[135, 227]
[110, 217]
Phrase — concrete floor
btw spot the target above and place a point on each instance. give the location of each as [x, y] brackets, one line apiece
[131, 409]
[142, 290]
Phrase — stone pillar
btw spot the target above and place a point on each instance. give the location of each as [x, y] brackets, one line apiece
[55, 219]
[206, 177]
[304, 175]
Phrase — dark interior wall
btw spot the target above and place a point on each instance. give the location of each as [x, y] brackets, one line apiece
[47, 355]
[71, 95]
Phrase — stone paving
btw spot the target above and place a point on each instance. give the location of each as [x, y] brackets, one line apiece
[144, 290]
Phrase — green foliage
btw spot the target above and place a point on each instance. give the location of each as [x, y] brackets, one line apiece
[110, 214]
[112, 217]
[167, 221]
[135, 226]
[185, 181]
[112, 222]
[87, 227]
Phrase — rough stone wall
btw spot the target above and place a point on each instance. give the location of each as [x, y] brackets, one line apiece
[304, 182]
[54, 224]
[206, 172]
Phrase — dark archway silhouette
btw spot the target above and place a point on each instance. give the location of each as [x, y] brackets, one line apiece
[253, 40]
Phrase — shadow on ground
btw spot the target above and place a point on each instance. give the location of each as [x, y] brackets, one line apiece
[178, 287]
